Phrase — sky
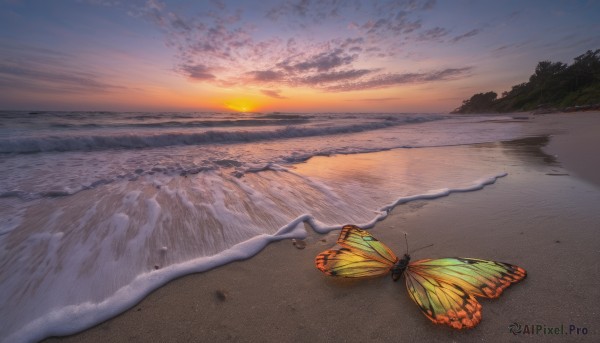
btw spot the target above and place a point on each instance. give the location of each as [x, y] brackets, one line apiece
[283, 56]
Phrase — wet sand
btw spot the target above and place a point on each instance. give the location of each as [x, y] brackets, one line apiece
[543, 217]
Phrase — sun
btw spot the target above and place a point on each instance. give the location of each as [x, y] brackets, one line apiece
[241, 105]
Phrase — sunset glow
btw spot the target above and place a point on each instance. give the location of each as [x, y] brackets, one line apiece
[241, 105]
[362, 56]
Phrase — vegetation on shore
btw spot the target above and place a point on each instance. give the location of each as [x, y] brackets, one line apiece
[553, 85]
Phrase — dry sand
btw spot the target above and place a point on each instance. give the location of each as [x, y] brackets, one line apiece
[537, 217]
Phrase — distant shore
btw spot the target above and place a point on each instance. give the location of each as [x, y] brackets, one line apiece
[553, 87]
[542, 216]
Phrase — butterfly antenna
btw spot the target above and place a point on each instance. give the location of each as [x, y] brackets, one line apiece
[427, 246]
[406, 240]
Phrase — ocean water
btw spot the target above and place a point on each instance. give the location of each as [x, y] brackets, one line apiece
[97, 209]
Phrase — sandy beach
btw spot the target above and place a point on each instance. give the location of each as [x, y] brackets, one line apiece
[543, 216]
[183, 171]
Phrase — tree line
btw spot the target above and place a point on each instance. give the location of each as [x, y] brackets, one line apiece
[553, 85]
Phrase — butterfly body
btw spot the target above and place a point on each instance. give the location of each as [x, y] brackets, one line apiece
[399, 267]
[444, 288]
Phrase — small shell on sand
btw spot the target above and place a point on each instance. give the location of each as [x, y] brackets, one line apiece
[298, 243]
[221, 294]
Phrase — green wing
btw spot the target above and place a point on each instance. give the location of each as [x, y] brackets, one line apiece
[445, 289]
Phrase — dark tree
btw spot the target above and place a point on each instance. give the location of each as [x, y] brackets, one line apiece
[479, 103]
[552, 85]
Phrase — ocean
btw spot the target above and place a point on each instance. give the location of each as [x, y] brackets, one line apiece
[97, 209]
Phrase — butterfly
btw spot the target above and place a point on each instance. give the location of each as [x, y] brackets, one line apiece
[445, 289]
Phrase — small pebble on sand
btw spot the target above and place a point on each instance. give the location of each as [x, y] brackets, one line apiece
[298, 243]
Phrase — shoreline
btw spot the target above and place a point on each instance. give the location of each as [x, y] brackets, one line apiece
[278, 295]
[575, 146]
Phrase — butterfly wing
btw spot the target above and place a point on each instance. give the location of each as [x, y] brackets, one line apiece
[361, 255]
[445, 289]
[356, 239]
[345, 262]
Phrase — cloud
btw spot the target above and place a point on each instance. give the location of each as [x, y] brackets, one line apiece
[433, 34]
[429, 4]
[52, 81]
[266, 75]
[69, 79]
[503, 47]
[394, 79]
[397, 25]
[336, 76]
[447, 74]
[308, 11]
[45, 70]
[215, 37]
[321, 62]
[395, 18]
[348, 42]
[155, 11]
[466, 35]
[292, 78]
[216, 44]
[273, 93]
[378, 20]
[198, 72]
